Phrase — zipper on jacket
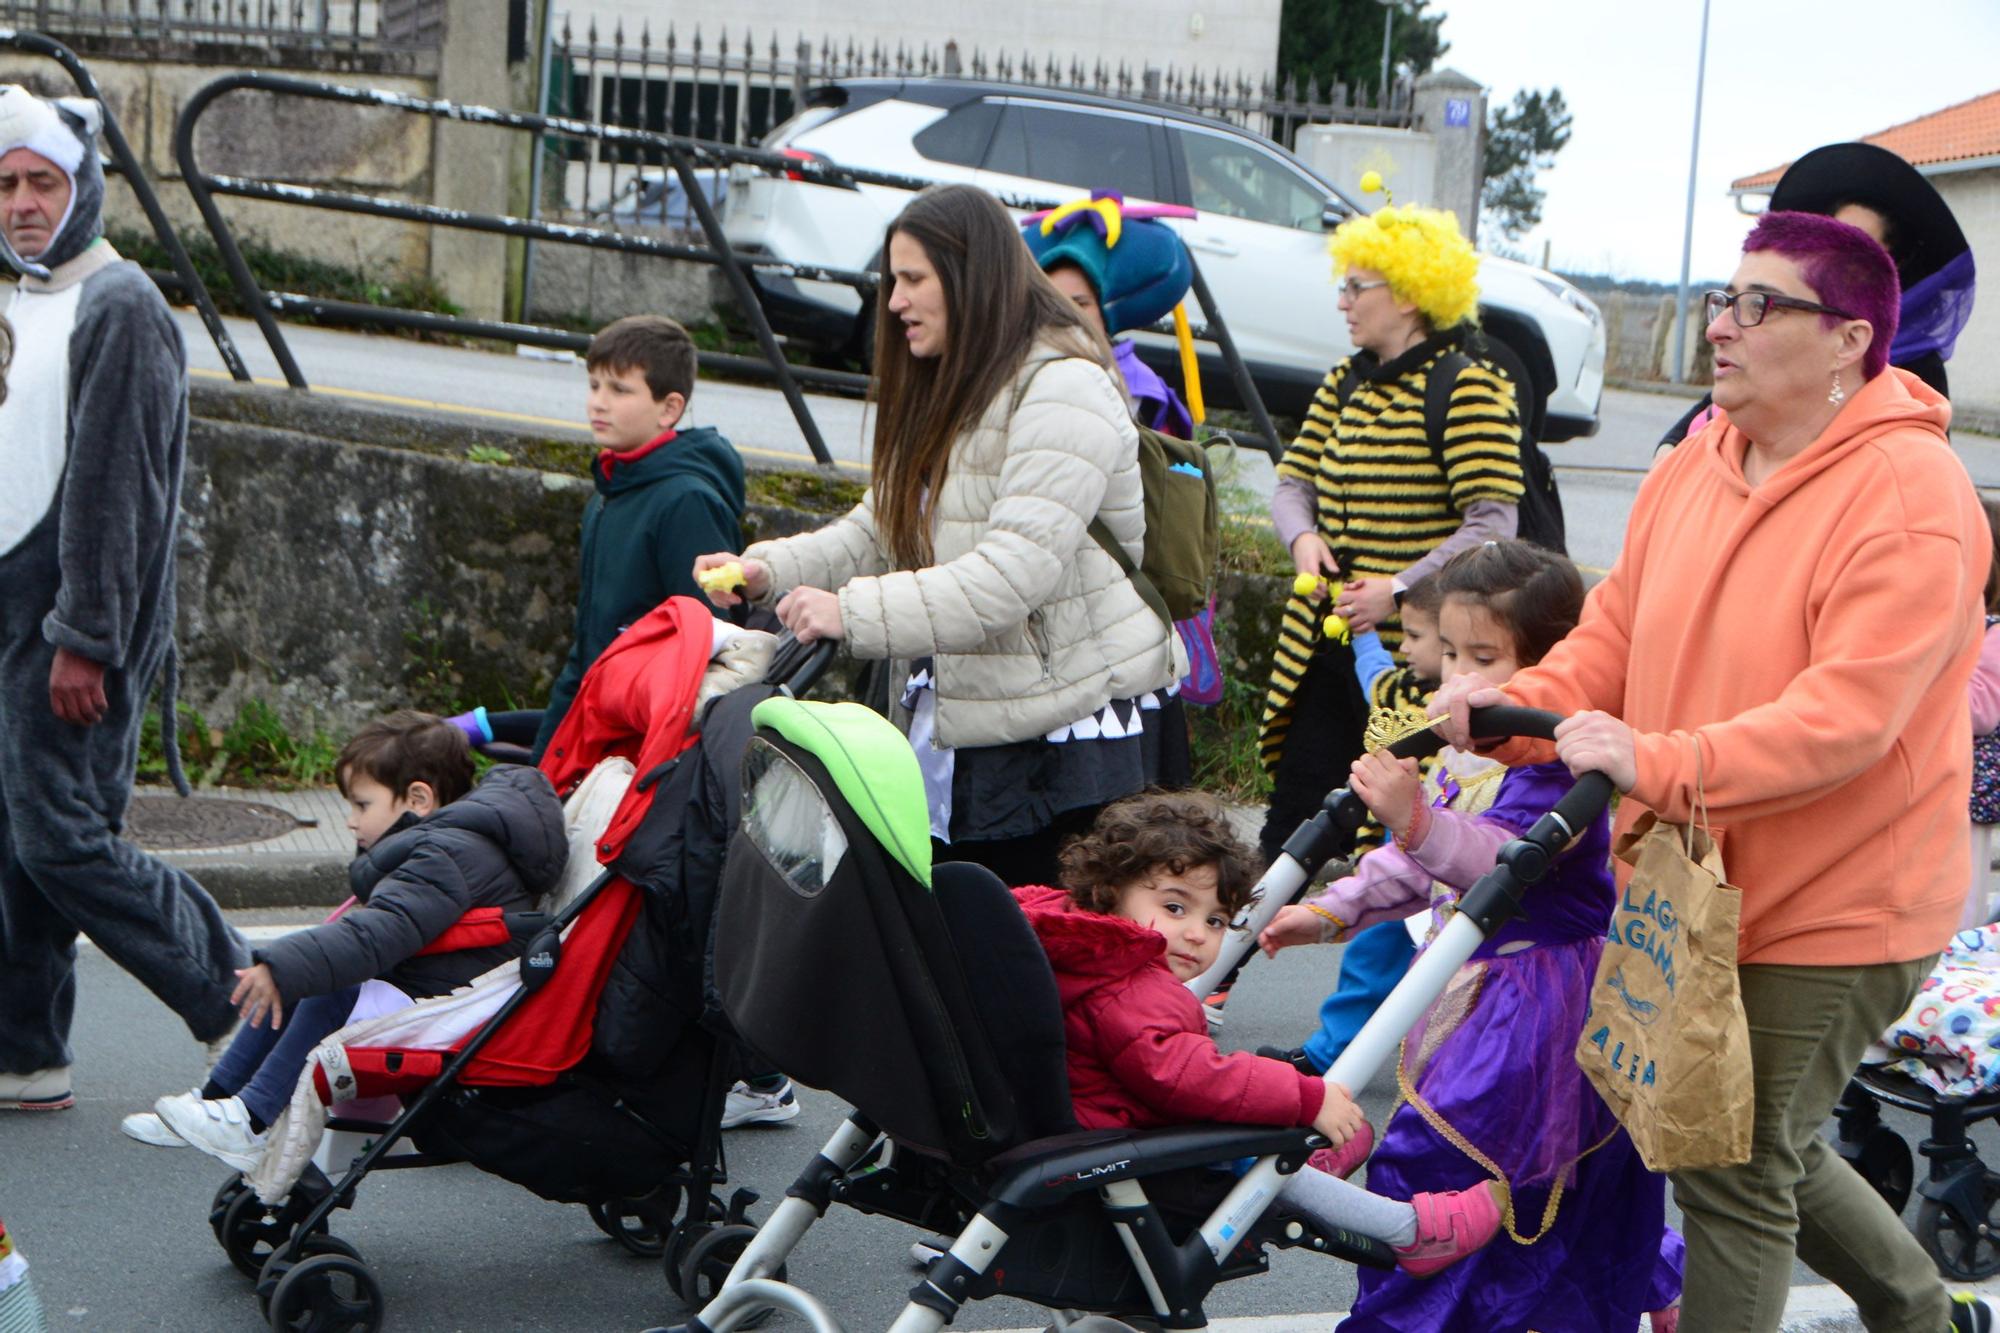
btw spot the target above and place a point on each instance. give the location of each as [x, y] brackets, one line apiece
[1038, 639]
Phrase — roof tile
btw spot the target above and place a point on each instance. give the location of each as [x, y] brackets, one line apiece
[1969, 129]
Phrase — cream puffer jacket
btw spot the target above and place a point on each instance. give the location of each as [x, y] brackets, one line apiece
[1029, 622]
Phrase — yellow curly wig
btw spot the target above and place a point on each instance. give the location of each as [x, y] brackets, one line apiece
[1421, 253]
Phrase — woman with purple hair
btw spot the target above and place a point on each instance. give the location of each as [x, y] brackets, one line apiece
[1881, 193]
[1786, 639]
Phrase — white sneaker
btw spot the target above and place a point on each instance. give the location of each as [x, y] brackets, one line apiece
[147, 1127]
[44, 1090]
[219, 1128]
[746, 1105]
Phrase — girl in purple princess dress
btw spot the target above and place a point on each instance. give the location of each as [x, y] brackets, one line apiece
[1490, 1086]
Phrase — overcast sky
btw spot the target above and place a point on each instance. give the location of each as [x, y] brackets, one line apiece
[1784, 76]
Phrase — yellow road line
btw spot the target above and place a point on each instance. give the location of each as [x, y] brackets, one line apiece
[498, 414]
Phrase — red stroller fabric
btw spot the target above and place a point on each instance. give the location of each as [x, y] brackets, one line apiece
[635, 702]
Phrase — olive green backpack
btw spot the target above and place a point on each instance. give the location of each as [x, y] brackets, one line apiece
[1176, 570]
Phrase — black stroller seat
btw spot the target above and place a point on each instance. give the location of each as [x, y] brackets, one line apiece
[921, 996]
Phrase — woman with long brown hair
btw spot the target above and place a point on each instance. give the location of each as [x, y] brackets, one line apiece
[1034, 670]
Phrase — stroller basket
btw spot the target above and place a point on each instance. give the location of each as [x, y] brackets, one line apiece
[960, 1092]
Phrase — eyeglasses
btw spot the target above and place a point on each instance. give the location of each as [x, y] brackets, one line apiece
[1749, 308]
[1350, 291]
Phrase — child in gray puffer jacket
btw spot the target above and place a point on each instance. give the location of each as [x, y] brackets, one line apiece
[431, 848]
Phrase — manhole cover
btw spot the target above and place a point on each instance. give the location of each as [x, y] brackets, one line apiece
[174, 823]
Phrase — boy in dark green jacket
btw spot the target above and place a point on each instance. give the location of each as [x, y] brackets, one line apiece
[664, 496]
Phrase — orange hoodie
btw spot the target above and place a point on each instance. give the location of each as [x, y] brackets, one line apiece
[1814, 637]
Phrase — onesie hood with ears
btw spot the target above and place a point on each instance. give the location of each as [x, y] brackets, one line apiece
[65, 132]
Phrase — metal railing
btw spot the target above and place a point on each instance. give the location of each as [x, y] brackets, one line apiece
[334, 24]
[183, 280]
[684, 155]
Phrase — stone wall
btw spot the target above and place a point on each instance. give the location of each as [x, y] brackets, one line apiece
[598, 286]
[396, 155]
[338, 560]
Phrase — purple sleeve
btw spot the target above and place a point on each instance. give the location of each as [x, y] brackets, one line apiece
[1457, 849]
[1293, 511]
[1483, 521]
[1386, 886]
[1985, 687]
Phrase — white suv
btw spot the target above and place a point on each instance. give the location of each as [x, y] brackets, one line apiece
[1260, 236]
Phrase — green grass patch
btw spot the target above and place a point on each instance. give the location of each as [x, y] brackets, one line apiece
[1223, 743]
[255, 750]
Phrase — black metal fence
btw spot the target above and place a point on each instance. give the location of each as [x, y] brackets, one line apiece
[735, 90]
[331, 24]
[684, 156]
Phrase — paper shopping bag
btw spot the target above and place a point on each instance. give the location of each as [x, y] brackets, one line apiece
[1665, 1042]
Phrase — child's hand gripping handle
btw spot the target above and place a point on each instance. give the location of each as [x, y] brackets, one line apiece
[1485, 906]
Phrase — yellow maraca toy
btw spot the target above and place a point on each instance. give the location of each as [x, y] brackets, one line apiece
[1335, 625]
[723, 578]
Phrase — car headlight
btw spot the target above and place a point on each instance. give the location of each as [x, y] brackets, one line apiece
[1571, 297]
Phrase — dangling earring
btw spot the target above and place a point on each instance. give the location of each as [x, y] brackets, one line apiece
[1836, 395]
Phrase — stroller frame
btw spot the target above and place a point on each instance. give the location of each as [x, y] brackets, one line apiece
[289, 1243]
[1958, 1222]
[299, 1267]
[1039, 1176]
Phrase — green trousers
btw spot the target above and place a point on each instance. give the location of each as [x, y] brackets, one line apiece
[1808, 1028]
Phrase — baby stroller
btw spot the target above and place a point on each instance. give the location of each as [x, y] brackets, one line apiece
[962, 1119]
[1939, 1061]
[584, 1071]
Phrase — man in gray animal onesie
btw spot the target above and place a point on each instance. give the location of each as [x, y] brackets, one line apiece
[92, 435]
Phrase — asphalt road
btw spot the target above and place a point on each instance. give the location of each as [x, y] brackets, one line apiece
[116, 1235]
[116, 1231]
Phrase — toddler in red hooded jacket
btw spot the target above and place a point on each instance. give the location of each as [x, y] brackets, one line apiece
[1148, 894]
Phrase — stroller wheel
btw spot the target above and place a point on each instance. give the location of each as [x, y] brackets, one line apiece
[251, 1230]
[639, 1225]
[706, 1264]
[1094, 1323]
[329, 1293]
[277, 1266]
[1884, 1161]
[218, 1207]
[1963, 1249]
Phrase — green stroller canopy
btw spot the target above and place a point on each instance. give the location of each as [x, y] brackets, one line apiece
[873, 766]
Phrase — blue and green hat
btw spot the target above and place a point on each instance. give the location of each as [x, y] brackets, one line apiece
[1136, 264]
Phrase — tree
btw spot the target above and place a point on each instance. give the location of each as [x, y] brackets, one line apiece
[1340, 41]
[1522, 139]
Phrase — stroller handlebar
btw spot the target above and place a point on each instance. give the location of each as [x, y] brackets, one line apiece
[797, 666]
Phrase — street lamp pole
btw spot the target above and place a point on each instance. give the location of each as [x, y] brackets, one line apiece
[1687, 227]
[1388, 23]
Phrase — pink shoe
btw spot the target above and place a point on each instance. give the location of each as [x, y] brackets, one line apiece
[1345, 1160]
[1451, 1226]
[1665, 1321]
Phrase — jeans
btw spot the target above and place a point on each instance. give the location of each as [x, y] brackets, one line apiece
[1370, 966]
[1808, 1029]
[262, 1066]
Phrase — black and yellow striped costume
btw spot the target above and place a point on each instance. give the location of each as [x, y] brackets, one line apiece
[1384, 503]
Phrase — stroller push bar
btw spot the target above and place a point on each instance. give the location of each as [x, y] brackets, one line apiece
[1488, 904]
[1315, 842]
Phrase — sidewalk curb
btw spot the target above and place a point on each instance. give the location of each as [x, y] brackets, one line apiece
[266, 879]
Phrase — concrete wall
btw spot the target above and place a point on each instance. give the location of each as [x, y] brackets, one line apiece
[1974, 197]
[598, 286]
[1240, 36]
[339, 560]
